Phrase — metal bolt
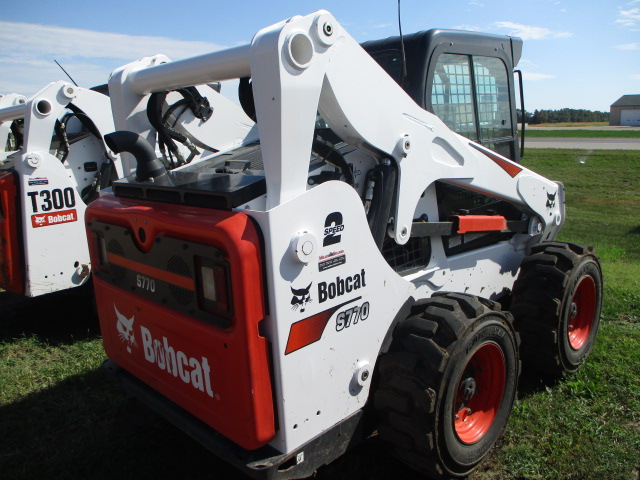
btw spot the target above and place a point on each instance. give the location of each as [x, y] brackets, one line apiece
[404, 232]
[407, 144]
[83, 270]
[327, 29]
[69, 91]
[34, 160]
[364, 375]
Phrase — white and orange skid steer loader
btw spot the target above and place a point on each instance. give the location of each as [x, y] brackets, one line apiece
[56, 162]
[357, 260]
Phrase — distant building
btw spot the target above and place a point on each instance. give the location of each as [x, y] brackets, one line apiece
[626, 111]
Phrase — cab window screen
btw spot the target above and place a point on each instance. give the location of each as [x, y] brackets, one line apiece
[391, 61]
[452, 94]
[492, 91]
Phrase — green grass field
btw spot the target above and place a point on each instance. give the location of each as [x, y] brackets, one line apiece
[582, 133]
[587, 426]
[570, 124]
[62, 417]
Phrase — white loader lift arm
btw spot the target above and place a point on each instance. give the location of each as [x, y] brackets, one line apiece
[311, 64]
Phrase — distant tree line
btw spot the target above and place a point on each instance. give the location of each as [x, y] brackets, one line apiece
[564, 115]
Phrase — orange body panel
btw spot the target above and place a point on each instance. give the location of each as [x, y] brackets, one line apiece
[218, 374]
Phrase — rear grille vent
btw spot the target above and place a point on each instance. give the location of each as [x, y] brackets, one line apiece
[179, 266]
[114, 247]
[181, 295]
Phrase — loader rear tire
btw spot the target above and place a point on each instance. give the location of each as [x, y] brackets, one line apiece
[446, 388]
[556, 304]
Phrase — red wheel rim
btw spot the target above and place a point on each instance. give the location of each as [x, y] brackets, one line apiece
[480, 392]
[581, 313]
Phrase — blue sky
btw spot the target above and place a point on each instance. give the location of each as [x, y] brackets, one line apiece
[577, 53]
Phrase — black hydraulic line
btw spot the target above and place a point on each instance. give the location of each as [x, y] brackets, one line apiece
[148, 166]
[154, 114]
[245, 96]
[61, 131]
[17, 127]
[384, 178]
[85, 120]
[200, 108]
[330, 155]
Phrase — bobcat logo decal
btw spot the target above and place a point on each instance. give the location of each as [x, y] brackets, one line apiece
[125, 329]
[300, 298]
[40, 220]
[551, 200]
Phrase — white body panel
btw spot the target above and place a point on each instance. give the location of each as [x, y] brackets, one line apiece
[53, 239]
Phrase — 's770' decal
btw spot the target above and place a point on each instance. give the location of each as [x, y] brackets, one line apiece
[351, 316]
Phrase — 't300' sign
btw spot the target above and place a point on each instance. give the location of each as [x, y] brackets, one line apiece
[56, 199]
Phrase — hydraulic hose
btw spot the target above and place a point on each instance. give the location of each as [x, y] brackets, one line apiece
[148, 165]
[384, 186]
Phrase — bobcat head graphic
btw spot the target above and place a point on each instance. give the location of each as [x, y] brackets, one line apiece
[551, 200]
[40, 220]
[300, 298]
[125, 329]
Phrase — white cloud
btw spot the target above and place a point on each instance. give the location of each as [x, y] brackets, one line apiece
[536, 77]
[26, 38]
[471, 28]
[530, 32]
[635, 77]
[89, 56]
[476, 3]
[628, 46]
[628, 18]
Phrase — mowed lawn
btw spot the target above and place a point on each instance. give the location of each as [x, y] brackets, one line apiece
[62, 417]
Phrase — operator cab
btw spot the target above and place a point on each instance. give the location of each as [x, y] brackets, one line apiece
[465, 78]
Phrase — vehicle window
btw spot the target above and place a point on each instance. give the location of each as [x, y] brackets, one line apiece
[391, 61]
[451, 94]
[457, 80]
[492, 92]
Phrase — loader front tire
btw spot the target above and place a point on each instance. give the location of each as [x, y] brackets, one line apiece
[556, 304]
[447, 385]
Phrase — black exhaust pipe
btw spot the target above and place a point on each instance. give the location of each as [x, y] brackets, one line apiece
[149, 167]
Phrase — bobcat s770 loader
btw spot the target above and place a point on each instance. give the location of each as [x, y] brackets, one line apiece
[274, 297]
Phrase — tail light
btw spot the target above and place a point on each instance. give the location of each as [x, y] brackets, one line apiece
[213, 285]
[10, 248]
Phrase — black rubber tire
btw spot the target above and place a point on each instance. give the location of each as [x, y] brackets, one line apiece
[419, 380]
[551, 283]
